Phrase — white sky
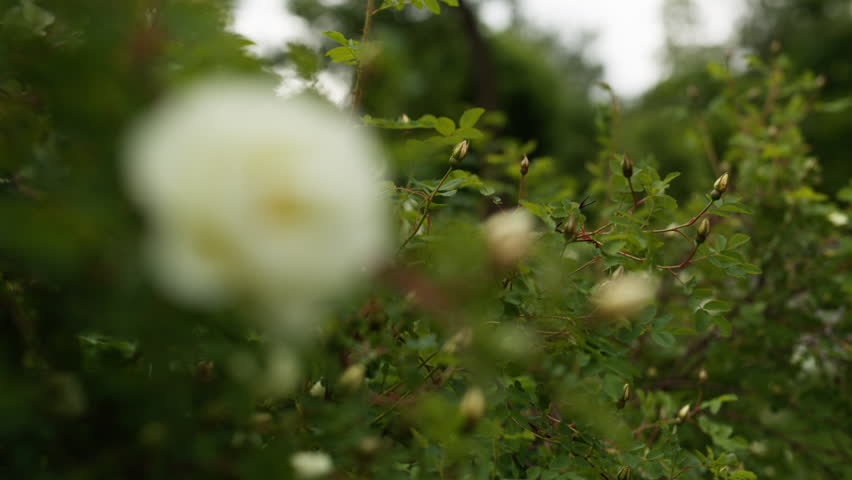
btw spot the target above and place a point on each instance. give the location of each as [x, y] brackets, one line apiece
[629, 42]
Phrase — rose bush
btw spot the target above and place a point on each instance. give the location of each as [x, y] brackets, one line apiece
[198, 279]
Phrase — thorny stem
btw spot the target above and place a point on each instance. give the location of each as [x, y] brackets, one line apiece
[687, 224]
[685, 262]
[426, 206]
[359, 75]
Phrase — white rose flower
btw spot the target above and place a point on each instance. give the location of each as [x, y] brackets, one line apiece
[625, 295]
[509, 235]
[249, 195]
[311, 464]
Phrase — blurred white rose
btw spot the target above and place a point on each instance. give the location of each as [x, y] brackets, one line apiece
[625, 295]
[311, 464]
[838, 219]
[249, 195]
[509, 236]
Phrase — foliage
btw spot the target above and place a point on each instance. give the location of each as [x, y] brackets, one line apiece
[729, 361]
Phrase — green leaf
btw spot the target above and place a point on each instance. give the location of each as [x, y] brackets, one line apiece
[540, 211]
[742, 475]
[345, 55]
[337, 37]
[445, 126]
[671, 176]
[433, 5]
[737, 240]
[717, 306]
[715, 404]
[663, 339]
[723, 324]
[470, 117]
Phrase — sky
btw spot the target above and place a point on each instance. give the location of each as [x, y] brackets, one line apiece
[629, 33]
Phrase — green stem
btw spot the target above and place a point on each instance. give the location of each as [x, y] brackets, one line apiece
[425, 210]
[359, 75]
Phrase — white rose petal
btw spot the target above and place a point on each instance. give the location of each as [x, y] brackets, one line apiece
[311, 464]
[509, 235]
[252, 196]
[625, 295]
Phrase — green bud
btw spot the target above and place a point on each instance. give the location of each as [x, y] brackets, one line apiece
[625, 396]
[703, 231]
[683, 412]
[624, 473]
[626, 166]
[569, 228]
[525, 165]
[459, 152]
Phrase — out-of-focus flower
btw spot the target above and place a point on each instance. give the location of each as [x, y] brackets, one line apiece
[472, 405]
[838, 219]
[352, 377]
[252, 196]
[509, 236]
[311, 464]
[282, 372]
[625, 295]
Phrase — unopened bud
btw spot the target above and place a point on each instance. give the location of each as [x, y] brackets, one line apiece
[459, 152]
[318, 390]
[205, 371]
[624, 473]
[702, 375]
[626, 166]
[525, 165]
[352, 377]
[369, 445]
[721, 183]
[404, 119]
[683, 412]
[569, 228]
[472, 406]
[625, 396]
[703, 231]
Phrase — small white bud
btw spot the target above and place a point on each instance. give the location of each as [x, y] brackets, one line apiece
[311, 464]
[318, 390]
[353, 376]
[472, 405]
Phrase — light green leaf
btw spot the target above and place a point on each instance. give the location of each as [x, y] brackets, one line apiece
[445, 126]
[470, 117]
